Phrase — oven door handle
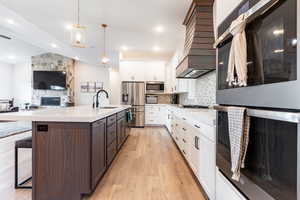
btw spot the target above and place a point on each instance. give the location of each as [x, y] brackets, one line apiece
[293, 117]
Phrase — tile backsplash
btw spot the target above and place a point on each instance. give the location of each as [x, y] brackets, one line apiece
[204, 92]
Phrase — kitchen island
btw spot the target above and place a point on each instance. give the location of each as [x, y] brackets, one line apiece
[72, 148]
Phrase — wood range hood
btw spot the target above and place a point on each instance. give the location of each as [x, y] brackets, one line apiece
[199, 54]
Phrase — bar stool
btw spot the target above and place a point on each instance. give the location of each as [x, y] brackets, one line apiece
[21, 144]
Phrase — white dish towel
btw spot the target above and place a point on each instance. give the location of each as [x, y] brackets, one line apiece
[239, 124]
[238, 53]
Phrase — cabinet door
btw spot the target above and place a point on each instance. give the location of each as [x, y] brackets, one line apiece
[111, 133]
[132, 71]
[120, 133]
[194, 152]
[207, 165]
[154, 71]
[98, 151]
[123, 129]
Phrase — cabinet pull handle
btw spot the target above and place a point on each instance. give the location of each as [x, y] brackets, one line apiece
[183, 129]
[197, 142]
[184, 140]
[183, 152]
[197, 126]
[184, 118]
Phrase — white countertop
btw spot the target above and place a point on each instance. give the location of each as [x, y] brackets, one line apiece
[67, 114]
[195, 115]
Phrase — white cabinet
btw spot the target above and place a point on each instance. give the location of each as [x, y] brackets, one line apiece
[169, 78]
[155, 115]
[182, 85]
[207, 163]
[154, 71]
[132, 71]
[169, 119]
[224, 189]
[142, 71]
[194, 151]
[197, 144]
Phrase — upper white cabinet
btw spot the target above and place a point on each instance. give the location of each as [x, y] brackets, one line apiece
[155, 71]
[132, 71]
[142, 71]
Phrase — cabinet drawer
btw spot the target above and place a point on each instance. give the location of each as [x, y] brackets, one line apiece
[111, 152]
[121, 114]
[152, 108]
[152, 121]
[207, 131]
[111, 133]
[99, 122]
[112, 119]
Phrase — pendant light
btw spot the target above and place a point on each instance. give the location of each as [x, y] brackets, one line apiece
[78, 32]
[104, 58]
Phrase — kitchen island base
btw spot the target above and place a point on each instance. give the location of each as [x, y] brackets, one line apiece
[70, 158]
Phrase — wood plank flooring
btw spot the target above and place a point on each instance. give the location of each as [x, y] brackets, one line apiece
[149, 167]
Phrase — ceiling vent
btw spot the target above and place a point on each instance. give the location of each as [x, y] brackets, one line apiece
[5, 37]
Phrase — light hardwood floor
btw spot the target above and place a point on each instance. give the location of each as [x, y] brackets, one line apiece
[149, 167]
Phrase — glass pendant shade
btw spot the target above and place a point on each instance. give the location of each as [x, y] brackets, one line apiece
[78, 36]
[104, 60]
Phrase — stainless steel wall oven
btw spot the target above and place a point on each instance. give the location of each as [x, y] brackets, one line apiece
[272, 51]
[272, 158]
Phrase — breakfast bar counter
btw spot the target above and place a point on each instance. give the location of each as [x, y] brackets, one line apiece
[72, 147]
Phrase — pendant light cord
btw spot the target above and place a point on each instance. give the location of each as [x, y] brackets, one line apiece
[78, 10]
[104, 41]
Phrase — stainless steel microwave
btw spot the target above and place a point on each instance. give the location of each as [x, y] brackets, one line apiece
[155, 87]
[273, 56]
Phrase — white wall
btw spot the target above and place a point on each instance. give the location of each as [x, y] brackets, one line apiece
[115, 86]
[85, 72]
[21, 87]
[6, 73]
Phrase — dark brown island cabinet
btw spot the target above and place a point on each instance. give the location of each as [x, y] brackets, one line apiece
[69, 159]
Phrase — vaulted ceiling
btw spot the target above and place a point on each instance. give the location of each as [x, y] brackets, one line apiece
[131, 23]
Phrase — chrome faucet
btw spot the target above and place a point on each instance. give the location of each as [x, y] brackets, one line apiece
[97, 97]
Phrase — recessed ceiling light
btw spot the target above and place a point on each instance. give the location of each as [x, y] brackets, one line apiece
[159, 29]
[11, 57]
[10, 21]
[124, 48]
[156, 48]
[76, 58]
[53, 45]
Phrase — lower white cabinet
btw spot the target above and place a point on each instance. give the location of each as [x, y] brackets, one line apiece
[206, 173]
[155, 114]
[224, 189]
[169, 120]
[198, 149]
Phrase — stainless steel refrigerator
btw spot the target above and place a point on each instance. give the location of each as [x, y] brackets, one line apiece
[133, 93]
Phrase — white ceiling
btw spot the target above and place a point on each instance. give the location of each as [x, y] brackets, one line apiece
[131, 23]
[15, 51]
